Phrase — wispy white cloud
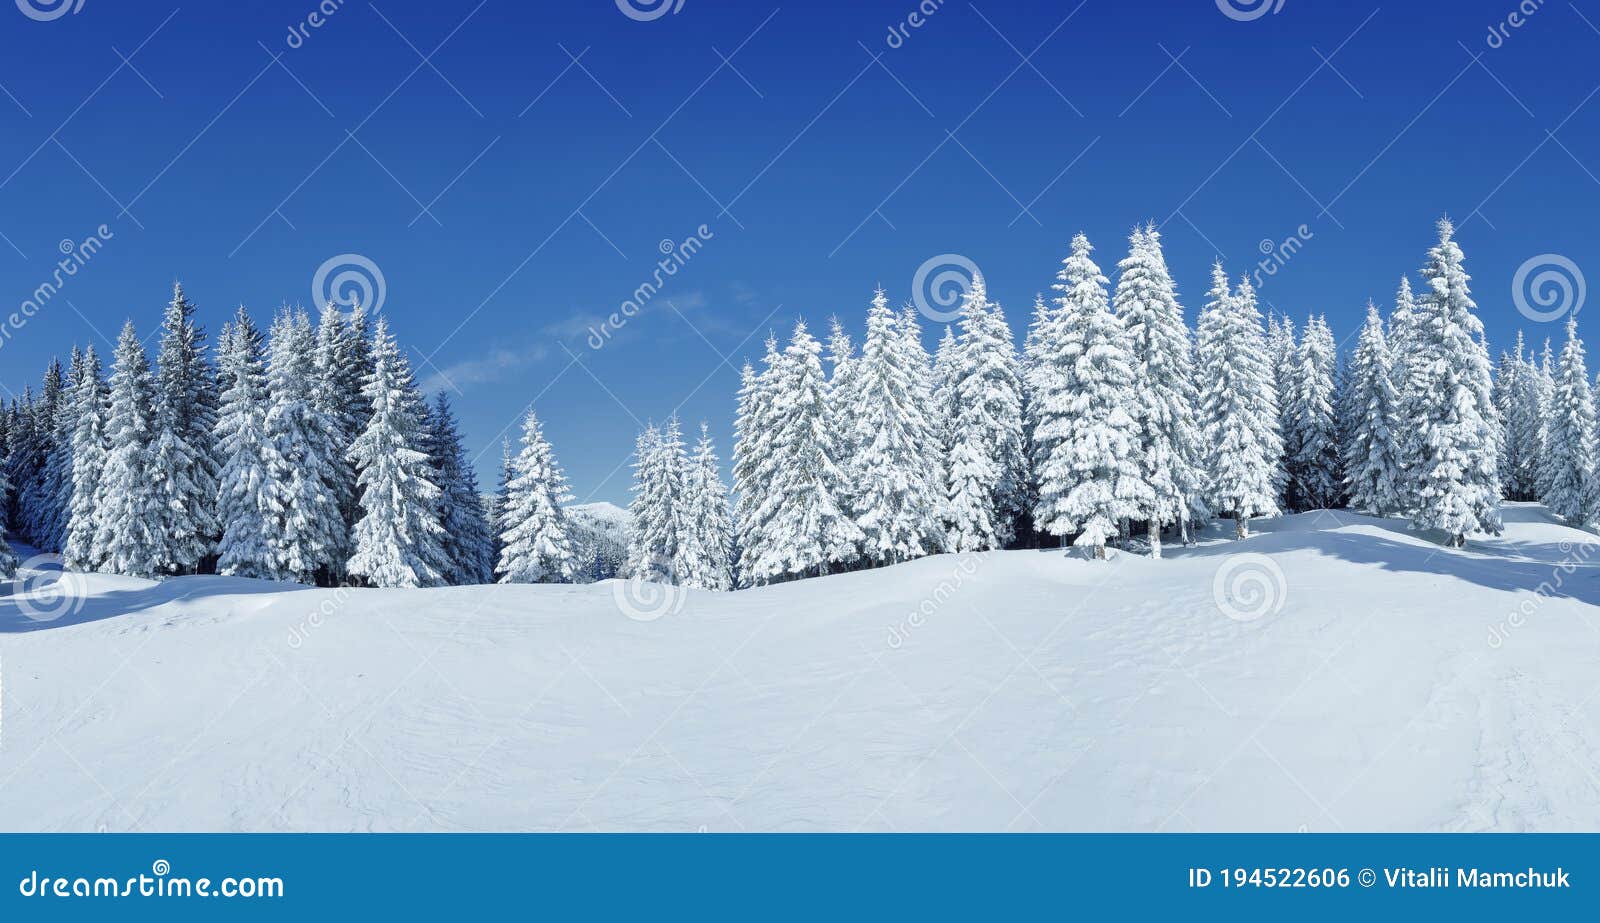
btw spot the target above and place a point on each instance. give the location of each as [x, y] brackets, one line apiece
[496, 365]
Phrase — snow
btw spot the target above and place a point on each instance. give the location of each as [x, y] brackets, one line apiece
[1033, 691]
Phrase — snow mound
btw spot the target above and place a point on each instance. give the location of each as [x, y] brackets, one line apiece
[1332, 672]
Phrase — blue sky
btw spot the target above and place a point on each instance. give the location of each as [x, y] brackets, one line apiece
[511, 169]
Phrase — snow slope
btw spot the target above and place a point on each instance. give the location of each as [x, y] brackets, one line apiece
[1003, 691]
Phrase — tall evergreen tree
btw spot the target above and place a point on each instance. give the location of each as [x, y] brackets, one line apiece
[397, 539]
[755, 467]
[249, 499]
[985, 445]
[1311, 449]
[308, 533]
[1572, 491]
[1371, 449]
[1091, 473]
[466, 542]
[1163, 389]
[536, 537]
[89, 410]
[1458, 436]
[183, 465]
[1517, 392]
[1238, 405]
[706, 549]
[125, 541]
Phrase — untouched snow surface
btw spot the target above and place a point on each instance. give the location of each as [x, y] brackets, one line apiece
[1399, 687]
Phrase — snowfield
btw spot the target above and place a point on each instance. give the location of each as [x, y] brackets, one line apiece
[1386, 684]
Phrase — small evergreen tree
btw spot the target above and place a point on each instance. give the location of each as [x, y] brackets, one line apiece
[536, 537]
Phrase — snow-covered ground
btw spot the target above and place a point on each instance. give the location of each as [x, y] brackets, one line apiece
[1386, 685]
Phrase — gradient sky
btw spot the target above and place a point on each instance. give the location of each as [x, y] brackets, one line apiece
[511, 168]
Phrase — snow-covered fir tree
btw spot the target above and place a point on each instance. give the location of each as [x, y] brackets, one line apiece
[807, 529]
[705, 548]
[1371, 447]
[249, 499]
[1571, 489]
[898, 479]
[984, 443]
[89, 408]
[536, 536]
[1455, 459]
[494, 507]
[466, 543]
[1090, 470]
[1163, 390]
[397, 539]
[341, 364]
[308, 532]
[655, 549]
[183, 455]
[754, 467]
[124, 541]
[843, 397]
[1238, 405]
[1310, 436]
[1517, 394]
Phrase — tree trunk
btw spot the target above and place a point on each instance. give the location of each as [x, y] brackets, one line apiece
[1155, 540]
[1241, 529]
[1100, 552]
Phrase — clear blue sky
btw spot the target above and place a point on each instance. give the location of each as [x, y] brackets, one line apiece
[819, 173]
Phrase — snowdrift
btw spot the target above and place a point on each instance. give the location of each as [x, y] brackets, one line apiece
[1332, 672]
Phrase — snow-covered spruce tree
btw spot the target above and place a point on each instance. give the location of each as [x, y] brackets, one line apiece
[1455, 459]
[397, 538]
[308, 532]
[655, 550]
[183, 463]
[986, 464]
[843, 393]
[942, 413]
[898, 482]
[248, 498]
[1544, 387]
[931, 440]
[124, 542]
[1163, 389]
[536, 538]
[705, 550]
[1571, 490]
[89, 407]
[340, 366]
[37, 493]
[61, 459]
[754, 467]
[1406, 374]
[1310, 439]
[495, 507]
[466, 542]
[809, 531]
[1238, 406]
[1371, 447]
[1091, 473]
[1517, 393]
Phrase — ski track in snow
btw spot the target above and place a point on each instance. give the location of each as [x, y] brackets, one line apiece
[1039, 692]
